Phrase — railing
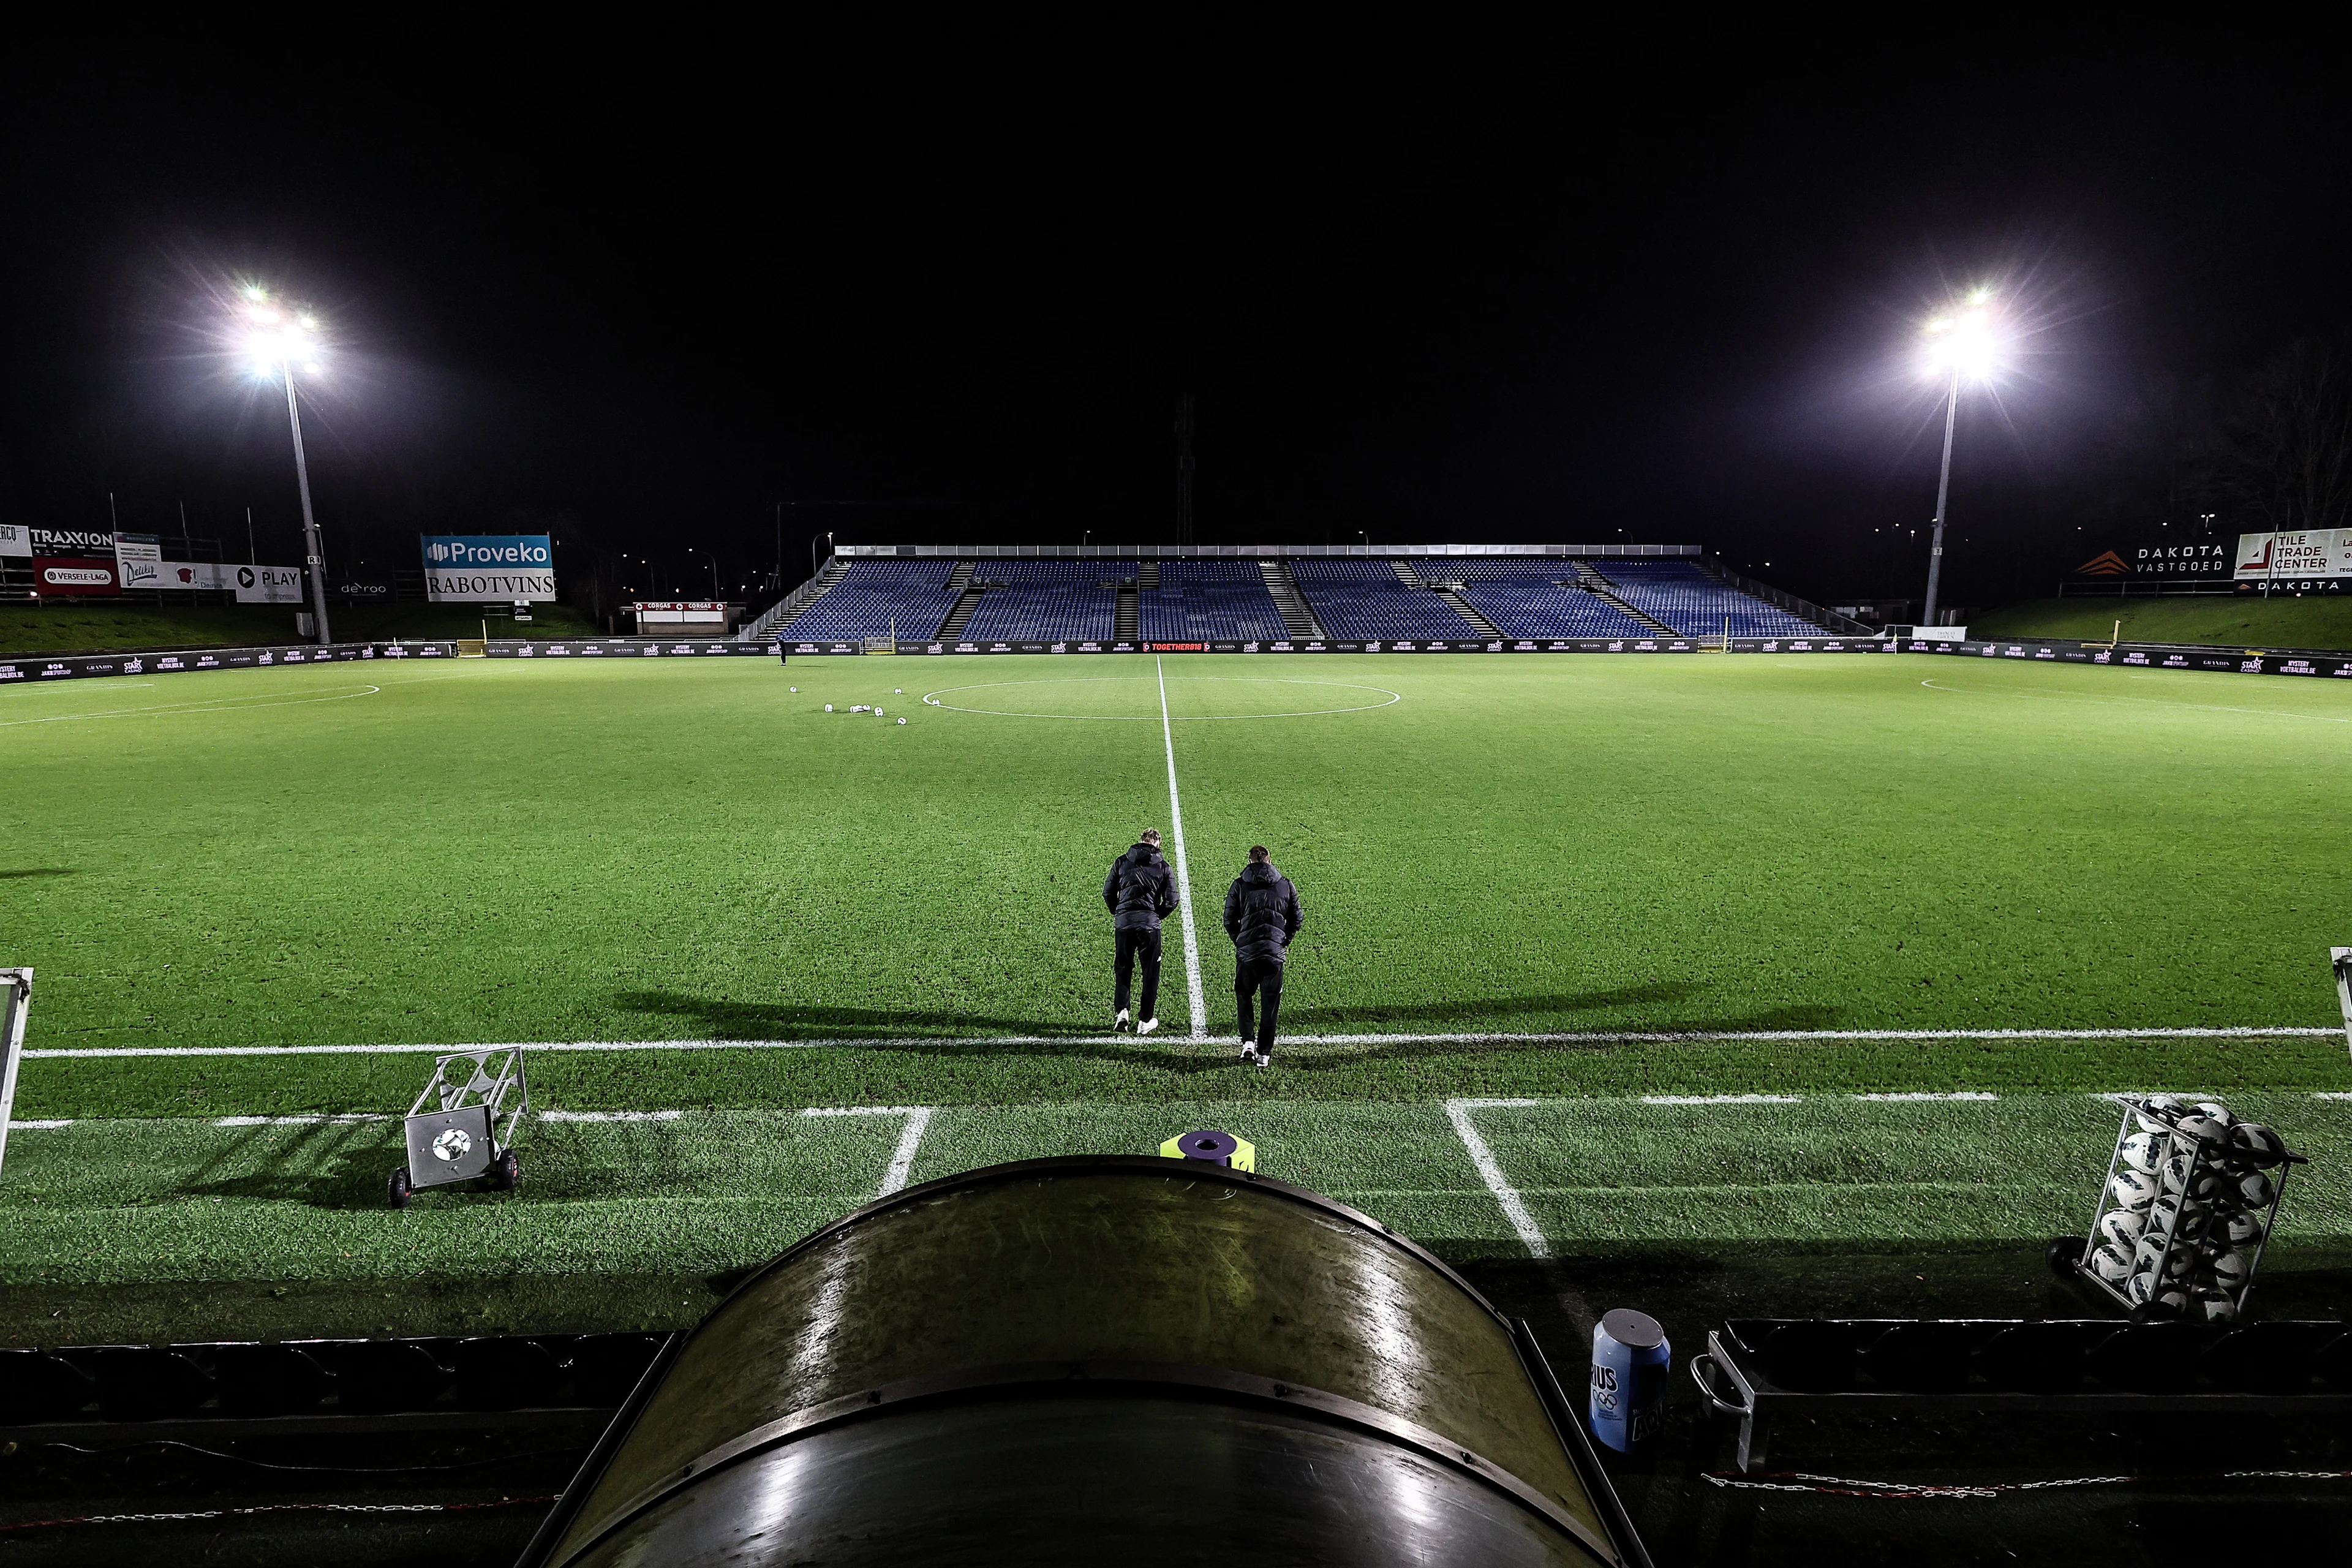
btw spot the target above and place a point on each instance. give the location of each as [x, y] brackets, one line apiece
[1845, 625]
[793, 603]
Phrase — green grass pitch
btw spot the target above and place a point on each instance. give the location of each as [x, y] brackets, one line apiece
[1800, 850]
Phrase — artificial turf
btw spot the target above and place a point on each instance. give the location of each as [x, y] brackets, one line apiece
[649, 850]
[99, 626]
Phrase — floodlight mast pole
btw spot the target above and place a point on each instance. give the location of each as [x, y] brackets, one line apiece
[309, 522]
[1943, 491]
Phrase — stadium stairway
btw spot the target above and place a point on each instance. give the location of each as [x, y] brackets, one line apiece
[772, 619]
[967, 600]
[1453, 595]
[1297, 615]
[1404, 574]
[1124, 619]
[1599, 588]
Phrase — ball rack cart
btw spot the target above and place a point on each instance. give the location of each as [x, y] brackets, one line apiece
[2202, 1163]
[459, 1138]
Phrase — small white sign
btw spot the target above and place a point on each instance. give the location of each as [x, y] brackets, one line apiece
[267, 584]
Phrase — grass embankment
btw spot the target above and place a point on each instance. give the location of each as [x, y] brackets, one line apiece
[2313, 621]
[95, 627]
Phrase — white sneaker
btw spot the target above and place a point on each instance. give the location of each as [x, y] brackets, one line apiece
[1249, 1051]
[1146, 1027]
[1118, 1024]
[1266, 1059]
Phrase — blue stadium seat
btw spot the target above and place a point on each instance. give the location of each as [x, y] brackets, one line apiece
[1209, 601]
[1356, 598]
[873, 595]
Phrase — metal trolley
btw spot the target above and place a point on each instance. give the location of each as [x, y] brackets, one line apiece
[461, 1138]
[2186, 1210]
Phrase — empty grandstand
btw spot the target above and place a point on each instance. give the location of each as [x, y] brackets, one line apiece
[1228, 596]
[877, 598]
[1682, 595]
[1356, 598]
[1209, 601]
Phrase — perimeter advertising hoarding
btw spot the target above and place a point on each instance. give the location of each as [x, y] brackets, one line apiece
[2316, 554]
[139, 560]
[488, 568]
[267, 584]
[14, 539]
[73, 561]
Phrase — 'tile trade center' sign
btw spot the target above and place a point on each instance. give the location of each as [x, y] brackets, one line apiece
[488, 568]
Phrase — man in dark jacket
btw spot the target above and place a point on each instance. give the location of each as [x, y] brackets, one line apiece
[1261, 915]
[1139, 889]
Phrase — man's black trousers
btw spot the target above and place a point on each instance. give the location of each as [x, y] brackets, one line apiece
[1132, 945]
[1252, 975]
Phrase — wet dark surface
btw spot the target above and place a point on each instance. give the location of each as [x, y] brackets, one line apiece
[2181, 1503]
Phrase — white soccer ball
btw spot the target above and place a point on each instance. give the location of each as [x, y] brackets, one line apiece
[2199, 1129]
[795, 689]
[902, 721]
[828, 707]
[2151, 1253]
[2184, 1173]
[897, 691]
[2253, 1189]
[2122, 1227]
[2143, 1151]
[2252, 1143]
[2213, 1307]
[877, 712]
[2168, 1296]
[2112, 1264]
[2214, 1111]
[2233, 1268]
[2242, 1229]
[2173, 1214]
[2158, 1102]
[2133, 1189]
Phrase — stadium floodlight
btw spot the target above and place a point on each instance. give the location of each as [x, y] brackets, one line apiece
[1964, 344]
[275, 339]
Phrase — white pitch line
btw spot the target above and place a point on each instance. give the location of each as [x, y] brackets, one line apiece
[313, 1121]
[1960, 1094]
[1591, 1037]
[1490, 1170]
[608, 1115]
[1183, 870]
[910, 1137]
[1721, 1099]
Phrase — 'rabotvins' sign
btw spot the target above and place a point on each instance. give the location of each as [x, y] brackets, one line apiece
[487, 568]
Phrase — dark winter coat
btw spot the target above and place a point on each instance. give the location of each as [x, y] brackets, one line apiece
[1139, 889]
[1262, 913]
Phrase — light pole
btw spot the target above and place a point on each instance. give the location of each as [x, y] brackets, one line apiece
[1964, 344]
[275, 338]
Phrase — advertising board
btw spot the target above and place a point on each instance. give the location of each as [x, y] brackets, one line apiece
[14, 539]
[2314, 555]
[267, 584]
[139, 560]
[487, 568]
[2159, 561]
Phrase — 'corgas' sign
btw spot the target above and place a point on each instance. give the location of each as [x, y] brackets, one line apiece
[487, 568]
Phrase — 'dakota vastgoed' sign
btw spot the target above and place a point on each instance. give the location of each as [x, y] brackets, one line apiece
[487, 568]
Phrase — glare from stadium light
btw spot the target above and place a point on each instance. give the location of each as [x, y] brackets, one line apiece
[1969, 343]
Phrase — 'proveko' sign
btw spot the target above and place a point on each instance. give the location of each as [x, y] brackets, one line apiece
[487, 568]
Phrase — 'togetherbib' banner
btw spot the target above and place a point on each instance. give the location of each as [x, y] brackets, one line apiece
[488, 568]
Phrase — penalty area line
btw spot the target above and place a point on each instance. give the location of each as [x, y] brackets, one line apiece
[1290, 1042]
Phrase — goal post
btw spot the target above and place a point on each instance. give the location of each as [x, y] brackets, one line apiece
[15, 1001]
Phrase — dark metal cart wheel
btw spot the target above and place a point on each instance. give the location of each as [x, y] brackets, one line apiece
[398, 1188]
[506, 1171]
[2065, 1255]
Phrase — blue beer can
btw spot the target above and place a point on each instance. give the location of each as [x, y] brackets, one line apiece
[1630, 1356]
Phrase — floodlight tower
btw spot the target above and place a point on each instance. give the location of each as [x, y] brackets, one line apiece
[276, 339]
[1966, 344]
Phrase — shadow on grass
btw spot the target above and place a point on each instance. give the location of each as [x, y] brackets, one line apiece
[1808, 1016]
[1468, 1014]
[37, 871]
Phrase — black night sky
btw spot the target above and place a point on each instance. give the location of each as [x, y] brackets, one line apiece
[1469, 294]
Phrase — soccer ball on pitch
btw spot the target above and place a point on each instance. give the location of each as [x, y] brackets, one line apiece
[795, 689]
[828, 707]
[2143, 1151]
[897, 691]
[2133, 1189]
[902, 721]
[2122, 1227]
